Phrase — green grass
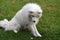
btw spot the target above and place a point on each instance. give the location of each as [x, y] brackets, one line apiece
[48, 26]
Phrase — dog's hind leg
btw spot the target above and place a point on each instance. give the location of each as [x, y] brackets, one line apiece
[17, 28]
[15, 31]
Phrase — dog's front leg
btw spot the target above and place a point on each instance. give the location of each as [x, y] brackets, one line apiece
[34, 31]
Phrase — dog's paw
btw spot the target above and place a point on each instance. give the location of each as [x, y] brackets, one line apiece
[5, 29]
[39, 35]
[15, 31]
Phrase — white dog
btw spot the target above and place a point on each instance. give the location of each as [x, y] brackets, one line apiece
[27, 17]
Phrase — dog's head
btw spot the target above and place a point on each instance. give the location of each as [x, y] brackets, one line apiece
[35, 12]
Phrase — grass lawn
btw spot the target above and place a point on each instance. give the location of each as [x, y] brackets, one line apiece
[48, 26]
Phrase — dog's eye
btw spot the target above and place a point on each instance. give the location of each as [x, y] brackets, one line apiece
[39, 13]
[30, 12]
[32, 16]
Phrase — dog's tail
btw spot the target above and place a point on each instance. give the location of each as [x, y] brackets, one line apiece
[3, 23]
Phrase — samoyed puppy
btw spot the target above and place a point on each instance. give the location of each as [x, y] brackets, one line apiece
[27, 17]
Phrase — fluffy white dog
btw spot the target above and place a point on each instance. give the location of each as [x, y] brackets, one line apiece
[27, 17]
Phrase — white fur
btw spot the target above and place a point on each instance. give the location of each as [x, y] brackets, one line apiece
[22, 20]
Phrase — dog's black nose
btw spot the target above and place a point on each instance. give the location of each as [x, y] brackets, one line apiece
[34, 21]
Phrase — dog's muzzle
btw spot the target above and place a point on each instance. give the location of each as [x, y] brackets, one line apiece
[34, 21]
